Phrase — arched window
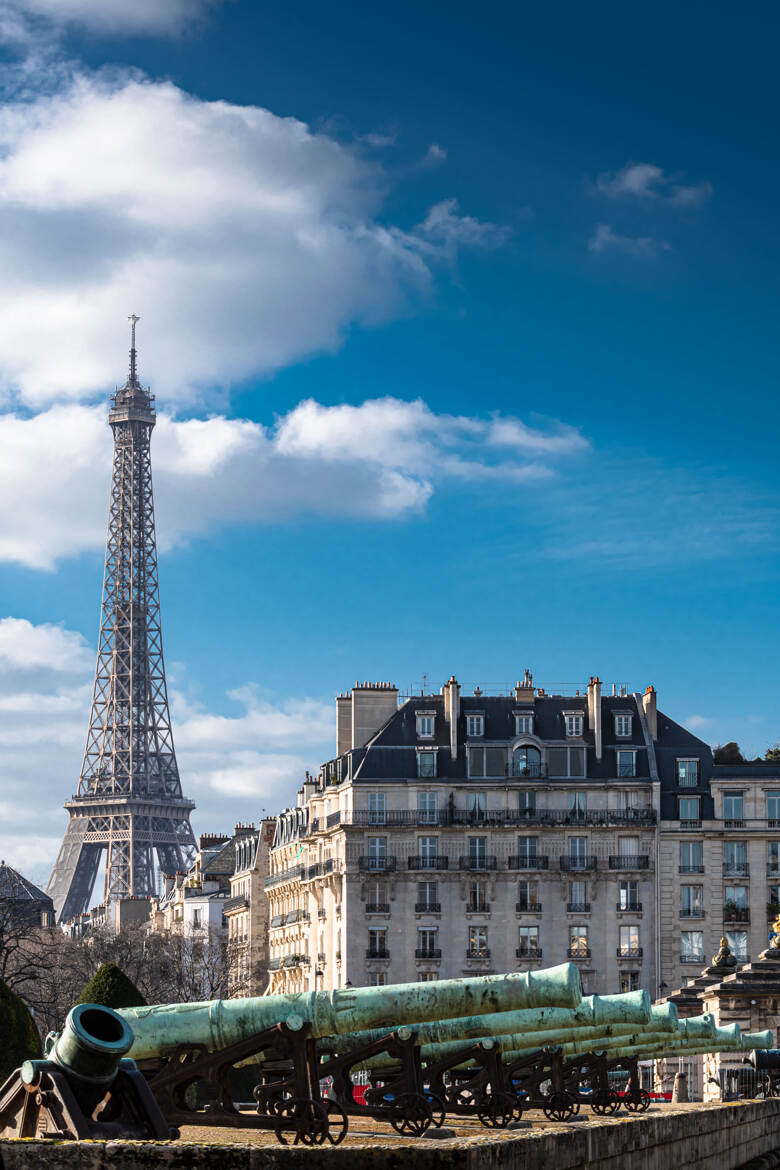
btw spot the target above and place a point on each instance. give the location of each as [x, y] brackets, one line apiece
[526, 761]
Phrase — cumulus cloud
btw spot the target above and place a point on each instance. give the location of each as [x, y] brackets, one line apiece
[255, 755]
[133, 17]
[606, 239]
[649, 182]
[382, 459]
[245, 240]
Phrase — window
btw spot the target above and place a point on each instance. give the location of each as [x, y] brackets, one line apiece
[526, 849]
[426, 943]
[578, 806]
[629, 981]
[529, 942]
[427, 976]
[691, 901]
[377, 852]
[376, 897]
[773, 806]
[478, 939]
[477, 902]
[737, 940]
[626, 763]
[477, 803]
[623, 725]
[629, 940]
[691, 857]
[487, 761]
[773, 857]
[773, 899]
[426, 765]
[578, 941]
[526, 761]
[377, 942]
[428, 852]
[689, 808]
[692, 946]
[477, 852]
[566, 761]
[526, 803]
[578, 848]
[524, 724]
[427, 896]
[475, 725]
[526, 895]
[736, 896]
[377, 978]
[687, 773]
[733, 806]
[196, 919]
[628, 895]
[574, 725]
[377, 808]
[427, 808]
[735, 857]
[425, 726]
[578, 896]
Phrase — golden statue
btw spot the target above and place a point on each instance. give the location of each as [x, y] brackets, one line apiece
[724, 957]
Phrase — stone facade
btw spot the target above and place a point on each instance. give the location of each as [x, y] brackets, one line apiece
[247, 914]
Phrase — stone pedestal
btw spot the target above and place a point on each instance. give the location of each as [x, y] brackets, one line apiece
[680, 1090]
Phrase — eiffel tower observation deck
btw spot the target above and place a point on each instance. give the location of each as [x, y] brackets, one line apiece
[129, 803]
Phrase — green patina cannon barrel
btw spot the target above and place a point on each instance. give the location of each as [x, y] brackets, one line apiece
[218, 1023]
[595, 1011]
[88, 1050]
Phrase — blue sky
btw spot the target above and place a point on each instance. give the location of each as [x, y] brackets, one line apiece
[462, 325]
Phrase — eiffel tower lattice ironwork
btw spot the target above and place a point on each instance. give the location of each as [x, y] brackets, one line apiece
[129, 802]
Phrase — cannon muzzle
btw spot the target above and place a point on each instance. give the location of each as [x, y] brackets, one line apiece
[89, 1050]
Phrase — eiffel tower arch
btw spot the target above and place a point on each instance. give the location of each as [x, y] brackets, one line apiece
[129, 804]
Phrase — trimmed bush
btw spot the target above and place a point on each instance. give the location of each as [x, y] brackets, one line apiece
[19, 1039]
[110, 987]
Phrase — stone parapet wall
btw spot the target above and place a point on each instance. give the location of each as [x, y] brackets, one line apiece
[714, 1137]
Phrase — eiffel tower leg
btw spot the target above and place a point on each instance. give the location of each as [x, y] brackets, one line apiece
[73, 877]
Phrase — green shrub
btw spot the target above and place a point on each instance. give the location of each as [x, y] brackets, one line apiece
[19, 1039]
[111, 987]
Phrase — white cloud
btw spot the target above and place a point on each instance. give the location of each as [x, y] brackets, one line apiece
[382, 459]
[647, 181]
[132, 17]
[244, 240]
[605, 239]
[231, 765]
[699, 722]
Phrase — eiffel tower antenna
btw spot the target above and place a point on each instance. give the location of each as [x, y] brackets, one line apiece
[129, 804]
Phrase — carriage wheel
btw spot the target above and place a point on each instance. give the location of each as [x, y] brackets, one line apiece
[304, 1119]
[558, 1107]
[338, 1122]
[438, 1110]
[497, 1110]
[417, 1114]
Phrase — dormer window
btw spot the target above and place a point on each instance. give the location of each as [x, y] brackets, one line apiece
[524, 724]
[425, 725]
[623, 726]
[475, 726]
[573, 726]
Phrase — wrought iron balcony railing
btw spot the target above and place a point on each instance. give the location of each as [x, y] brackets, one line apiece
[528, 953]
[629, 952]
[691, 957]
[478, 908]
[695, 867]
[428, 861]
[572, 864]
[578, 907]
[528, 907]
[377, 907]
[479, 953]
[578, 952]
[629, 861]
[738, 869]
[628, 907]
[377, 953]
[427, 907]
[427, 953]
[736, 914]
[529, 861]
[478, 862]
[377, 864]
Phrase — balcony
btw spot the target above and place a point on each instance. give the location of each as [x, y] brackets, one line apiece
[296, 961]
[322, 915]
[428, 953]
[528, 953]
[377, 907]
[482, 953]
[772, 823]
[322, 958]
[427, 907]
[773, 870]
[377, 953]
[578, 952]
[377, 864]
[528, 907]
[578, 907]
[690, 825]
[277, 920]
[691, 913]
[629, 861]
[737, 869]
[296, 916]
[629, 952]
[285, 875]
[478, 908]
[428, 862]
[736, 914]
[239, 902]
[733, 823]
[577, 864]
[274, 964]
[528, 861]
[690, 957]
[528, 770]
[332, 820]
[628, 907]
[697, 868]
[476, 863]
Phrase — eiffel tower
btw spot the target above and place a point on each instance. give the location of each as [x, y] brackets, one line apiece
[129, 802]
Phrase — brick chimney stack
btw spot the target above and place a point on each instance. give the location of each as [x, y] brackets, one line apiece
[650, 704]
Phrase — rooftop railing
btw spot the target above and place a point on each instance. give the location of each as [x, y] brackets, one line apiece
[448, 817]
